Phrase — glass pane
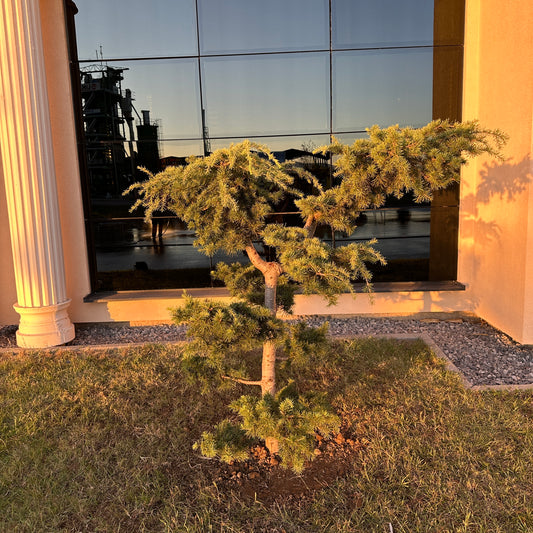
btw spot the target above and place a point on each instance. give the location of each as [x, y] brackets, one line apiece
[284, 148]
[174, 153]
[377, 23]
[135, 28]
[167, 89]
[264, 95]
[382, 87]
[241, 26]
[133, 254]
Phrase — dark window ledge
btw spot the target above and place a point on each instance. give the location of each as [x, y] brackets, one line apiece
[398, 286]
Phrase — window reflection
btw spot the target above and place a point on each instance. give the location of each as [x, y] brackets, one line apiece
[284, 147]
[382, 87]
[170, 90]
[135, 28]
[377, 23]
[125, 109]
[276, 25]
[160, 93]
[261, 95]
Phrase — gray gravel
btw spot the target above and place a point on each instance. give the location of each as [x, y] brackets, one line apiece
[484, 355]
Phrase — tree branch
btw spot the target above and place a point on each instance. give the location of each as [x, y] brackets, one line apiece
[266, 267]
[243, 381]
[310, 225]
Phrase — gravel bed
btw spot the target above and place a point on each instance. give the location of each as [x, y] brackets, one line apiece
[484, 355]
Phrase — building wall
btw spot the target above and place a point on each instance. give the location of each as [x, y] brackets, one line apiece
[66, 156]
[496, 237]
[8, 295]
[496, 221]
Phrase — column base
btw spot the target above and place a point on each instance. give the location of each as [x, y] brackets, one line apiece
[44, 327]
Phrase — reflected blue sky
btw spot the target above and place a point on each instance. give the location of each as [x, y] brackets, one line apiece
[288, 92]
[262, 95]
[382, 87]
[135, 28]
[241, 26]
[376, 23]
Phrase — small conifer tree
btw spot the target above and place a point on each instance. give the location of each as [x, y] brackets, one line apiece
[230, 198]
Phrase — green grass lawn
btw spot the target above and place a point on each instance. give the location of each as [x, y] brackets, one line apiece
[102, 441]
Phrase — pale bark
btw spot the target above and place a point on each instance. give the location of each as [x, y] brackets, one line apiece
[271, 272]
[268, 369]
[310, 225]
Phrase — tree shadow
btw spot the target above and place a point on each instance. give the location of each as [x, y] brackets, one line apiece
[505, 181]
[480, 227]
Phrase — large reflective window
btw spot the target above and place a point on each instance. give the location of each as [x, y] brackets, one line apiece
[382, 87]
[108, 29]
[167, 79]
[264, 95]
[245, 26]
[378, 23]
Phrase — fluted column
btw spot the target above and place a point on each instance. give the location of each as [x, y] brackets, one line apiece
[29, 174]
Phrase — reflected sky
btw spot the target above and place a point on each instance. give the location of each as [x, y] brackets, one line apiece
[255, 26]
[287, 91]
[135, 28]
[377, 23]
[169, 89]
[382, 87]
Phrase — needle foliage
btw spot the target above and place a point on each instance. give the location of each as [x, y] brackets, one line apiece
[232, 199]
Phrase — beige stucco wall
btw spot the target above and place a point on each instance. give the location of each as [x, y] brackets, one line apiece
[496, 226]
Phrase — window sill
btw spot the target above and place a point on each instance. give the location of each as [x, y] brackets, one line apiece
[211, 292]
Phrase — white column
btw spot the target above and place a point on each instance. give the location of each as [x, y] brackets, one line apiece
[29, 174]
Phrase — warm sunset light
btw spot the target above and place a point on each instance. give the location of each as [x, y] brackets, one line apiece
[156, 84]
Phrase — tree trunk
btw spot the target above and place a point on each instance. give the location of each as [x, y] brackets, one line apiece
[271, 272]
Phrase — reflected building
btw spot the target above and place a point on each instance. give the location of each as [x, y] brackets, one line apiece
[148, 143]
[108, 118]
[108, 163]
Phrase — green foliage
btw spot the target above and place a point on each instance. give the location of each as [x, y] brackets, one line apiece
[290, 418]
[218, 331]
[228, 442]
[225, 197]
[246, 282]
[305, 345]
[393, 161]
[318, 267]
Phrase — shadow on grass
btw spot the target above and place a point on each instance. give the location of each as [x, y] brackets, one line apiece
[102, 441]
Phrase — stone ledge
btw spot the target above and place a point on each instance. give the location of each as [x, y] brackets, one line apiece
[221, 292]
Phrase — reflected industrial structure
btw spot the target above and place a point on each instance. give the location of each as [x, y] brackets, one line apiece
[113, 152]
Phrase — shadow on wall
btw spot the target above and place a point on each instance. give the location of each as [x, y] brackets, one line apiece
[500, 184]
[502, 181]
